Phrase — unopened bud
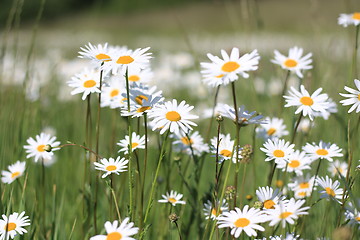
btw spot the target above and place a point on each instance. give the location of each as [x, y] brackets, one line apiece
[173, 217]
[229, 192]
[258, 205]
[47, 147]
[219, 118]
[246, 153]
[249, 197]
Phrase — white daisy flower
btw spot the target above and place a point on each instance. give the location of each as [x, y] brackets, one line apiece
[352, 214]
[242, 220]
[86, 82]
[226, 147]
[16, 170]
[137, 142]
[116, 232]
[294, 62]
[112, 91]
[211, 212]
[140, 76]
[331, 108]
[269, 197]
[349, 19]
[172, 198]
[277, 150]
[323, 151]
[195, 140]
[337, 167]
[307, 104]
[302, 185]
[353, 97]
[286, 212]
[288, 236]
[98, 53]
[305, 125]
[172, 116]
[111, 166]
[226, 70]
[272, 128]
[244, 117]
[298, 161]
[13, 225]
[37, 147]
[331, 189]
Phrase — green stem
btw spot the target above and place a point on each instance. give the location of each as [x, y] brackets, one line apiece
[354, 61]
[237, 141]
[283, 91]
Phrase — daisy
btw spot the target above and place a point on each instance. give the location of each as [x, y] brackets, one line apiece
[349, 19]
[114, 231]
[211, 212]
[173, 117]
[294, 62]
[244, 117]
[86, 82]
[111, 91]
[140, 76]
[242, 220]
[16, 170]
[288, 236]
[38, 147]
[137, 142]
[338, 167]
[298, 161]
[305, 125]
[302, 185]
[111, 166]
[331, 189]
[13, 225]
[172, 198]
[226, 70]
[194, 144]
[225, 149]
[277, 150]
[272, 128]
[331, 108]
[307, 104]
[353, 97]
[323, 151]
[99, 53]
[269, 197]
[352, 214]
[286, 212]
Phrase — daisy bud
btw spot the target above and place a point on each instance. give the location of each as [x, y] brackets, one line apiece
[258, 205]
[173, 217]
[279, 183]
[249, 197]
[219, 118]
[246, 153]
[229, 192]
[48, 148]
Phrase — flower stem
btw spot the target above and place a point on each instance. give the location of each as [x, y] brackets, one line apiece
[237, 141]
[283, 91]
[354, 61]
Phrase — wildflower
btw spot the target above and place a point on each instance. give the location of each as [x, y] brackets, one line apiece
[140, 76]
[173, 217]
[172, 198]
[212, 212]
[298, 161]
[352, 214]
[226, 70]
[111, 166]
[288, 236]
[349, 19]
[338, 168]
[137, 142]
[353, 97]
[195, 140]
[302, 185]
[305, 125]
[331, 189]
[323, 151]
[172, 116]
[16, 170]
[99, 53]
[36, 147]
[111, 92]
[242, 220]
[114, 231]
[307, 104]
[331, 108]
[225, 149]
[294, 62]
[272, 128]
[13, 225]
[277, 150]
[269, 197]
[244, 117]
[86, 82]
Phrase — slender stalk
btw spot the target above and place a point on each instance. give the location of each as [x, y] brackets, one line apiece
[114, 198]
[243, 184]
[216, 192]
[43, 197]
[354, 60]
[237, 141]
[178, 230]
[144, 173]
[293, 135]
[271, 174]
[78, 145]
[213, 115]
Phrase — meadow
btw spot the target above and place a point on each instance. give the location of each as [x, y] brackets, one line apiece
[230, 146]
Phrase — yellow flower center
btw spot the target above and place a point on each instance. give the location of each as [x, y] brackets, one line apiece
[111, 168]
[330, 192]
[15, 174]
[172, 200]
[230, 66]
[301, 194]
[173, 116]
[304, 185]
[357, 219]
[186, 141]
[40, 148]
[89, 83]
[125, 60]
[139, 99]
[279, 183]
[271, 131]
[103, 57]
[359, 97]
[241, 222]
[294, 163]
[307, 101]
[134, 145]
[214, 212]
[225, 153]
[219, 76]
[114, 93]
[279, 153]
[356, 16]
[134, 78]
[114, 236]
[322, 152]
[269, 204]
[285, 215]
[290, 63]
[143, 109]
[10, 226]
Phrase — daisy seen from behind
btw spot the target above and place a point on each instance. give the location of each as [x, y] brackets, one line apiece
[346, 19]
[272, 128]
[114, 231]
[244, 117]
[295, 62]
[353, 97]
[13, 225]
[111, 165]
[352, 214]
[242, 220]
[86, 82]
[16, 170]
[322, 151]
[38, 148]
[97, 53]
[137, 142]
[277, 150]
[298, 162]
[269, 197]
[173, 198]
[330, 189]
[307, 104]
[213, 212]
